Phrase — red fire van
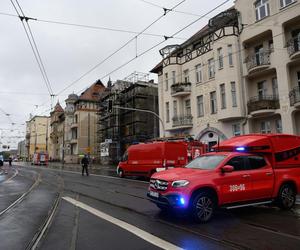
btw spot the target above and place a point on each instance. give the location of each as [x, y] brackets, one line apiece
[144, 159]
[244, 170]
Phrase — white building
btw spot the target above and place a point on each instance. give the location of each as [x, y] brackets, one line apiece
[239, 74]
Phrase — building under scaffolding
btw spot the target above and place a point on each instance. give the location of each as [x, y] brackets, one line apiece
[120, 128]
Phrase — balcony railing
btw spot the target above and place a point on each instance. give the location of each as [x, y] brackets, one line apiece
[258, 59]
[293, 45]
[185, 120]
[263, 102]
[294, 95]
[184, 87]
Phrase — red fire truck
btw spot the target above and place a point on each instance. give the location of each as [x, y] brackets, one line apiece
[144, 159]
[244, 170]
[40, 158]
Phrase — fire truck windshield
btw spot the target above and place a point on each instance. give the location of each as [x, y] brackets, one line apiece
[206, 162]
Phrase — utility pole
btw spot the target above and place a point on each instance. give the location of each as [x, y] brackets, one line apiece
[47, 136]
[89, 142]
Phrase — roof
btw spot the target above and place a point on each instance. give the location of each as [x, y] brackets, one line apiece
[93, 92]
[58, 108]
[260, 142]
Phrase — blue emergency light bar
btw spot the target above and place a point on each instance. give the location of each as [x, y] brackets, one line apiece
[240, 149]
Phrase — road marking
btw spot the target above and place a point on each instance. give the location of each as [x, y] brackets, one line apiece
[13, 176]
[134, 230]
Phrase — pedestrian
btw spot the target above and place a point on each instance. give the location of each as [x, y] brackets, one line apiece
[9, 161]
[85, 164]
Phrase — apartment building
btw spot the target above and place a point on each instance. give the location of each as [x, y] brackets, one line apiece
[270, 49]
[37, 135]
[239, 74]
[81, 124]
[200, 90]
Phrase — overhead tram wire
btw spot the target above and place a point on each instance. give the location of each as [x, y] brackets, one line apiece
[176, 11]
[156, 45]
[116, 51]
[123, 65]
[92, 26]
[36, 48]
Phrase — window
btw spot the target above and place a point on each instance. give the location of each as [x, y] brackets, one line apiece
[238, 163]
[166, 82]
[188, 107]
[275, 87]
[211, 68]
[200, 107]
[265, 127]
[259, 54]
[262, 9]
[223, 96]
[213, 102]
[220, 58]
[278, 125]
[186, 75]
[256, 162]
[298, 79]
[173, 77]
[175, 108]
[233, 94]
[198, 73]
[167, 112]
[261, 90]
[236, 129]
[284, 3]
[230, 58]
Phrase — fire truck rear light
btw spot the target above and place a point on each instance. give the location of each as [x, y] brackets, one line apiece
[240, 149]
[182, 201]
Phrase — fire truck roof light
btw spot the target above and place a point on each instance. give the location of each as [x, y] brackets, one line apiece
[240, 149]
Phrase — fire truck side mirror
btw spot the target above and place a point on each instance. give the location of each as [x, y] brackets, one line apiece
[227, 169]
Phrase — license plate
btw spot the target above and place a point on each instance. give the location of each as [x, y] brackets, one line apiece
[154, 194]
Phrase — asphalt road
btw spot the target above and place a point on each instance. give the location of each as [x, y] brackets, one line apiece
[54, 209]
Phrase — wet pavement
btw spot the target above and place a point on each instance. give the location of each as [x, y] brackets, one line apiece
[72, 227]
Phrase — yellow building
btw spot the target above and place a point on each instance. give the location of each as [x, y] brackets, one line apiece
[37, 135]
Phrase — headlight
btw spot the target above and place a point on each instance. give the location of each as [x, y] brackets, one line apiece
[180, 183]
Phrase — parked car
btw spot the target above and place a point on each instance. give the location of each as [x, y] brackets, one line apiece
[245, 170]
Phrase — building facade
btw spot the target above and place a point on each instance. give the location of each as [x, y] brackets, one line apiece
[22, 150]
[239, 74]
[119, 128]
[270, 49]
[200, 91]
[57, 119]
[37, 135]
[81, 124]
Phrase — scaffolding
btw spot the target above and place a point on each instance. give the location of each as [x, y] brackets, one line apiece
[120, 128]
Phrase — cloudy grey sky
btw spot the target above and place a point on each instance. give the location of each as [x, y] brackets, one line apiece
[68, 52]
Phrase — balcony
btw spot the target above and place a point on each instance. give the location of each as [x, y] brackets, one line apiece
[181, 89]
[185, 121]
[295, 97]
[258, 62]
[263, 105]
[293, 47]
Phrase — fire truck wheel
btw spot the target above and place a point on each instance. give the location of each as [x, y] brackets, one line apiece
[121, 173]
[286, 196]
[203, 207]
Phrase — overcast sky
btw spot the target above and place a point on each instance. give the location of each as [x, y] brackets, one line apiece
[68, 52]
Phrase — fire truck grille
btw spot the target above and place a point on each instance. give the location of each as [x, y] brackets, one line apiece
[158, 184]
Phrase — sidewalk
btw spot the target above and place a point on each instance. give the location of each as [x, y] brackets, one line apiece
[93, 169]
